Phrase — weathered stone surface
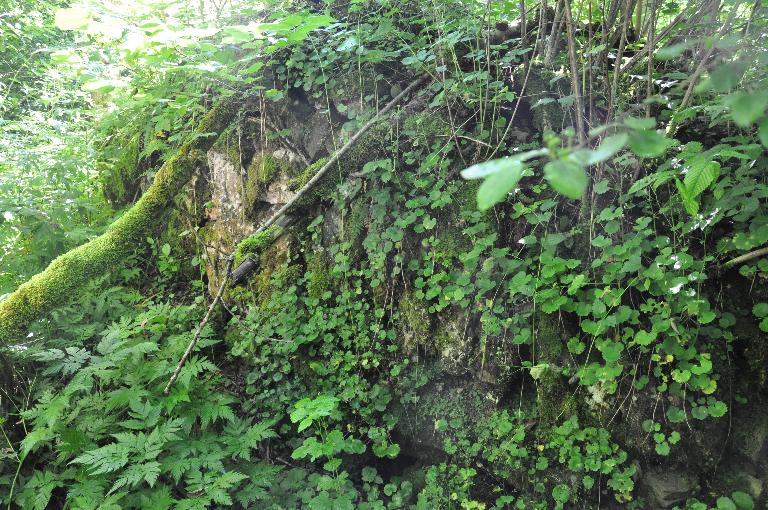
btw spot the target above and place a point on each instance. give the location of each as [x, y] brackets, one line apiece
[666, 488]
[227, 186]
[750, 433]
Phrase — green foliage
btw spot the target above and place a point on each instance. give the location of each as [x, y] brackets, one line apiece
[405, 350]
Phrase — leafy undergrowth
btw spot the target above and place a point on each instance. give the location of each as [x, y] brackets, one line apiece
[549, 335]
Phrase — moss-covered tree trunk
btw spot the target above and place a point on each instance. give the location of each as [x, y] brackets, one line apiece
[68, 273]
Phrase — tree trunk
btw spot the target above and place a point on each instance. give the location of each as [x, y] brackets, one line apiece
[63, 277]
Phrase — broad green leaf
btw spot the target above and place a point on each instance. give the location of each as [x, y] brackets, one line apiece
[566, 177]
[726, 76]
[656, 179]
[700, 176]
[690, 203]
[609, 146]
[746, 108]
[561, 493]
[672, 51]
[648, 144]
[762, 132]
[640, 124]
[492, 166]
[101, 85]
[743, 500]
[725, 503]
[71, 19]
[496, 187]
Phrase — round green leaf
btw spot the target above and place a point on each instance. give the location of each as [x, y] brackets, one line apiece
[743, 500]
[496, 187]
[746, 108]
[566, 177]
[725, 503]
[648, 144]
[561, 493]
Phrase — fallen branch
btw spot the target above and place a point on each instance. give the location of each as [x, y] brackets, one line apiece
[746, 258]
[199, 331]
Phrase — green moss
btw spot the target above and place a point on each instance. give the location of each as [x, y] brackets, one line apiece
[452, 343]
[62, 279]
[415, 323]
[255, 244]
[373, 145]
[260, 173]
[274, 273]
[354, 222]
[554, 399]
[319, 268]
[421, 128]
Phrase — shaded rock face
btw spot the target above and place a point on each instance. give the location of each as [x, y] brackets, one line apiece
[665, 489]
[226, 187]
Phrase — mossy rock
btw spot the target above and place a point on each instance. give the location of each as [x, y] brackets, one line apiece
[414, 324]
[62, 279]
[319, 280]
[454, 346]
[260, 173]
[556, 401]
[255, 244]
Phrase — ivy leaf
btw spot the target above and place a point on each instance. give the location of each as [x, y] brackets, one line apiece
[561, 493]
[566, 177]
[700, 176]
[496, 187]
[743, 500]
[648, 144]
[746, 108]
[760, 309]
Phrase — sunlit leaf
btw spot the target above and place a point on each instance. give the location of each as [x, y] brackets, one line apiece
[496, 187]
[700, 176]
[648, 144]
[566, 177]
[689, 203]
[762, 132]
[746, 107]
[492, 166]
[607, 149]
[671, 51]
[71, 19]
[640, 124]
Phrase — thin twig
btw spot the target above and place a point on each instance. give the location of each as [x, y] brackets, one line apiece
[701, 68]
[199, 331]
[575, 81]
